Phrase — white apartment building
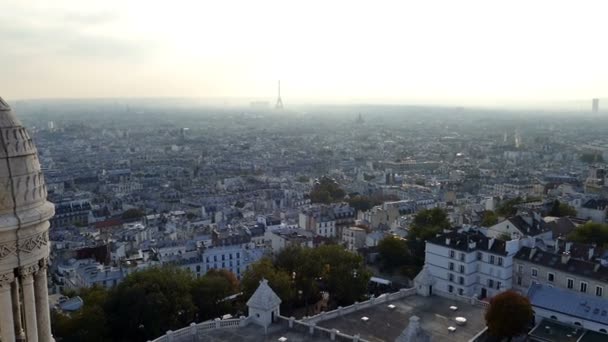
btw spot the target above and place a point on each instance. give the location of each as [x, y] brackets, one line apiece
[467, 263]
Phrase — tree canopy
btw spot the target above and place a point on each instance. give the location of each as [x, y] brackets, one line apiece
[561, 209]
[132, 214]
[489, 218]
[591, 158]
[509, 315]
[590, 232]
[428, 223]
[394, 253]
[326, 191]
[145, 305]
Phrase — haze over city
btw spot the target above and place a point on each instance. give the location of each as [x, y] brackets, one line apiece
[516, 53]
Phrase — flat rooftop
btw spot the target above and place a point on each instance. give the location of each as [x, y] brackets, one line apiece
[255, 333]
[385, 324]
[554, 331]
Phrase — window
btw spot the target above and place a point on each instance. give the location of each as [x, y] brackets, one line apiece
[550, 277]
[461, 268]
[499, 261]
[238, 255]
[603, 331]
[583, 287]
[570, 283]
[450, 288]
[490, 283]
[599, 291]
[461, 280]
[452, 253]
[461, 292]
[479, 256]
[198, 268]
[492, 259]
[554, 318]
[519, 280]
[223, 257]
[498, 285]
[534, 272]
[520, 268]
[451, 266]
[461, 256]
[451, 277]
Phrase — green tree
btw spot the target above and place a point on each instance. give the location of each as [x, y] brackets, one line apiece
[87, 324]
[208, 294]
[279, 280]
[132, 214]
[428, 223]
[561, 209]
[150, 302]
[509, 315]
[591, 158]
[361, 203]
[394, 253]
[590, 232]
[508, 208]
[489, 218]
[344, 273]
[326, 190]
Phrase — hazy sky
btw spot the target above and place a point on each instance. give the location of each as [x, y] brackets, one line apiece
[458, 52]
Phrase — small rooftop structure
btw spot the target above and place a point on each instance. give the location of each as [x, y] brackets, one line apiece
[413, 332]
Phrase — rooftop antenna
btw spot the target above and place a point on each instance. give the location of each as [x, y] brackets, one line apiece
[279, 104]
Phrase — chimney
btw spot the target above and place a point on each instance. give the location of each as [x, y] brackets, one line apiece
[447, 241]
[591, 252]
[565, 257]
[472, 244]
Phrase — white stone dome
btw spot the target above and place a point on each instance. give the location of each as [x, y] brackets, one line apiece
[24, 210]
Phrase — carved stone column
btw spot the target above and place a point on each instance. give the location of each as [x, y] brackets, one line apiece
[29, 301]
[20, 334]
[7, 327]
[43, 315]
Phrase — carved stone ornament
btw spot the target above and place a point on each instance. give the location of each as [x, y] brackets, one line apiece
[28, 270]
[26, 245]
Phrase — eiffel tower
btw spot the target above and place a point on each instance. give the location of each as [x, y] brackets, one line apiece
[279, 104]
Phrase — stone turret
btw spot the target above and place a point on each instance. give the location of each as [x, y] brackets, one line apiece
[424, 282]
[264, 305]
[24, 241]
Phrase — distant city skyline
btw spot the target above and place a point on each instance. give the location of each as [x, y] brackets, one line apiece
[436, 52]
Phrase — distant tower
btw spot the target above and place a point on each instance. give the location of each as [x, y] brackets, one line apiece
[279, 104]
[595, 105]
[360, 119]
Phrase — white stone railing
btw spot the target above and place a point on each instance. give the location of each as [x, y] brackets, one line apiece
[384, 298]
[313, 329]
[193, 331]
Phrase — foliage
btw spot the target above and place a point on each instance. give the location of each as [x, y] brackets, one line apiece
[509, 315]
[279, 280]
[489, 218]
[394, 253]
[326, 191]
[208, 294]
[561, 209]
[148, 303]
[591, 158]
[302, 179]
[361, 203]
[145, 305]
[428, 223]
[132, 214]
[508, 208]
[88, 324]
[590, 232]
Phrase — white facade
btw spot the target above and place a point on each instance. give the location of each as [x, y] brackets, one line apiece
[353, 238]
[476, 272]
